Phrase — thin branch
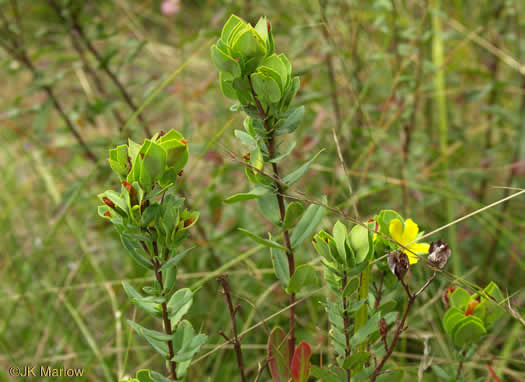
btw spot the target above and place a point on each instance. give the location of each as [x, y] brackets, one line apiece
[260, 370]
[282, 211]
[346, 324]
[223, 280]
[401, 325]
[16, 50]
[172, 365]
[79, 31]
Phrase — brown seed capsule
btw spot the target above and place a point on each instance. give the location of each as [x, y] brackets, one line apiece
[446, 296]
[108, 202]
[129, 187]
[398, 263]
[439, 253]
[132, 193]
[470, 307]
[187, 222]
[383, 327]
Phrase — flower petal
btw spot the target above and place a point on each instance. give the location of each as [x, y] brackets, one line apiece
[410, 232]
[412, 259]
[396, 230]
[416, 248]
[419, 247]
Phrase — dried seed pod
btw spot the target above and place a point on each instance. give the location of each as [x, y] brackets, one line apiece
[383, 327]
[398, 263]
[446, 295]
[439, 253]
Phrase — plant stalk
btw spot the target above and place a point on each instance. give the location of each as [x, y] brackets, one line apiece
[401, 325]
[233, 311]
[346, 323]
[282, 212]
[172, 365]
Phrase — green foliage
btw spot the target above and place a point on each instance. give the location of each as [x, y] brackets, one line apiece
[152, 231]
[470, 317]
[375, 65]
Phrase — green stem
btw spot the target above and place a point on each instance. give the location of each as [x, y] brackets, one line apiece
[361, 316]
[440, 87]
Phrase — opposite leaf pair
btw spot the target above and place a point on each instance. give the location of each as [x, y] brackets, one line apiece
[281, 367]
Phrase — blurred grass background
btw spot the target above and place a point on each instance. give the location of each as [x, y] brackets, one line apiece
[427, 99]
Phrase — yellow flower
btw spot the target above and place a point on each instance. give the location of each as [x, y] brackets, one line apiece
[406, 236]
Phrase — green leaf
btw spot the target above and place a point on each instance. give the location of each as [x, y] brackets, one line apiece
[294, 210]
[308, 223]
[156, 377]
[441, 373]
[136, 252]
[360, 241]
[230, 25]
[384, 218]
[118, 160]
[226, 85]
[291, 122]
[278, 355]
[262, 28]
[459, 298]
[304, 275]
[325, 375]
[391, 376]
[156, 339]
[116, 199]
[468, 331]
[289, 94]
[133, 150]
[190, 348]
[493, 311]
[340, 235]
[185, 345]
[280, 265]
[173, 261]
[179, 304]
[270, 208]
[170, 278]
[177, 153]
[451, 318]
[255, 193]
[246, 139]
[292, 178]
[247, 44]
[260, 240]
[367, 329]
[275, 63]
[266, 88]
[225, 62]
[320, 243]
[146, 305]
[154, 161]
[356, 360]
[277, 159]
[144, 376]
[351, 286]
